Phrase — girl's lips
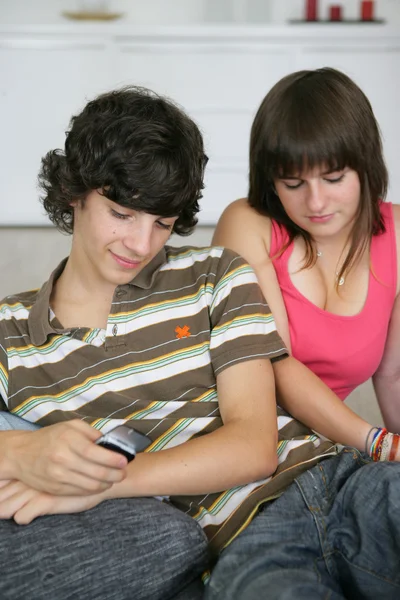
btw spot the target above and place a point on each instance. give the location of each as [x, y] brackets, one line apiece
[321, 219]
[124, 262]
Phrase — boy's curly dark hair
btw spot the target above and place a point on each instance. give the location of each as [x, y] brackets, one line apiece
[140, 149]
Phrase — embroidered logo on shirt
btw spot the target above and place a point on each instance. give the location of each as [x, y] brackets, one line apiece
[182, 332]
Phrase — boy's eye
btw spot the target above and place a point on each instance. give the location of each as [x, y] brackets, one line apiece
[118, 215]
[166, 226]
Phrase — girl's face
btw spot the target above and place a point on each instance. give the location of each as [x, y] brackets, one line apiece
[322, 202]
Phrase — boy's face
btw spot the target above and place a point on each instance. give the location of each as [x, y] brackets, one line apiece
[113, 243]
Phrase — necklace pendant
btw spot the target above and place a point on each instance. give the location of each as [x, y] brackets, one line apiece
[341, 280]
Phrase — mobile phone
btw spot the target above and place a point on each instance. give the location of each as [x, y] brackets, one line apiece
[125, 440]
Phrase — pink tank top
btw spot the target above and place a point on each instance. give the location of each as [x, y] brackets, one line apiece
[343, 351]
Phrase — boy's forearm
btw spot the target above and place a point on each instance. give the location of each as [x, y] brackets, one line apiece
[232, 455]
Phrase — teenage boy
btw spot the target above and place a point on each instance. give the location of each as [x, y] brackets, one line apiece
[176, 343]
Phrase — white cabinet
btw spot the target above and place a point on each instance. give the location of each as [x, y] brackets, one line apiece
[219, 75]
[42, 83]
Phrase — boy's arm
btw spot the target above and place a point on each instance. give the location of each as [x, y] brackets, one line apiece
[60, 459]
[241, 451]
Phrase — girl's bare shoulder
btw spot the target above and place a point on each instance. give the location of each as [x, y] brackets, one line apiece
[240, 220]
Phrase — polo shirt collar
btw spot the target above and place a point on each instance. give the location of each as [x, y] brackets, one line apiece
[146, 277]
[38, 320]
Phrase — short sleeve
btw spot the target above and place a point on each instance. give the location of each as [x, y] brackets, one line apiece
[242, 325]
[3, 370]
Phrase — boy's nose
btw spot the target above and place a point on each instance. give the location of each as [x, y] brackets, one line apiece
[139, 241]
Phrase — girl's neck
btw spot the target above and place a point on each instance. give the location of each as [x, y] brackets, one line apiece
[335, 246]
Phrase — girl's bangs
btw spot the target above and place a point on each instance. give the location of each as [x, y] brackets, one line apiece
[293, 156]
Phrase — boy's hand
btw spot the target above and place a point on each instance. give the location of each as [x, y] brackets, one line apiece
[62, 459]
[24, 504]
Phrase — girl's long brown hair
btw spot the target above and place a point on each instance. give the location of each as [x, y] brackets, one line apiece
[311, 119]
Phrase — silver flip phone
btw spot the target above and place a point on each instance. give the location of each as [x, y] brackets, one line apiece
[125, 440]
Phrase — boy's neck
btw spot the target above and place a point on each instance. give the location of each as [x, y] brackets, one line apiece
[79, 300]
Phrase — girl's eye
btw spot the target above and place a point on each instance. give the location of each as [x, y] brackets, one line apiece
[118, 215]
[292, 186]
[335, 179]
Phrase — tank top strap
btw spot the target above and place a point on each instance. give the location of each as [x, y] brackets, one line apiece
[279, 238]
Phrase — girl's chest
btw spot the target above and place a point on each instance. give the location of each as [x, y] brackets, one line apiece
[322, 287]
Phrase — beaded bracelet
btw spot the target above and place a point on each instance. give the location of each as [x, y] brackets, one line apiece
[367, 445]
[384, 444]
[395, 444]
[375, 450]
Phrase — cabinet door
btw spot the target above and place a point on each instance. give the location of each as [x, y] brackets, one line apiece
[220, 84]
[43, 82]
[376, 69]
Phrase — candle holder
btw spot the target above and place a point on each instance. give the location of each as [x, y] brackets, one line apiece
[367, 10]
[335, 12]
[311, 10]
[367, 15]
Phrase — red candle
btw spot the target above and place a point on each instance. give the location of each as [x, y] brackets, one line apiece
[367, 10]
[311, 10]
[335, 12]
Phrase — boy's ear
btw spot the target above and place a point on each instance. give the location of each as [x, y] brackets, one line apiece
[76, 203]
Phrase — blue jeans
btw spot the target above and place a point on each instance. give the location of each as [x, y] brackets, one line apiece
[9, 421]
[335, 533]
[137, 548]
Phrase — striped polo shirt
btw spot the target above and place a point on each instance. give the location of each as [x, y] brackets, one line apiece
[189, 314]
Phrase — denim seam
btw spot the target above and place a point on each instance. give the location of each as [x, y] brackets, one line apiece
[360, 457]
[314, 510]
[327, 550]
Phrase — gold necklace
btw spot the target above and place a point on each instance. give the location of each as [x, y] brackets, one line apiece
[341, 280]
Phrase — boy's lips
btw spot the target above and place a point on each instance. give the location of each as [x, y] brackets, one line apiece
[127, 263]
